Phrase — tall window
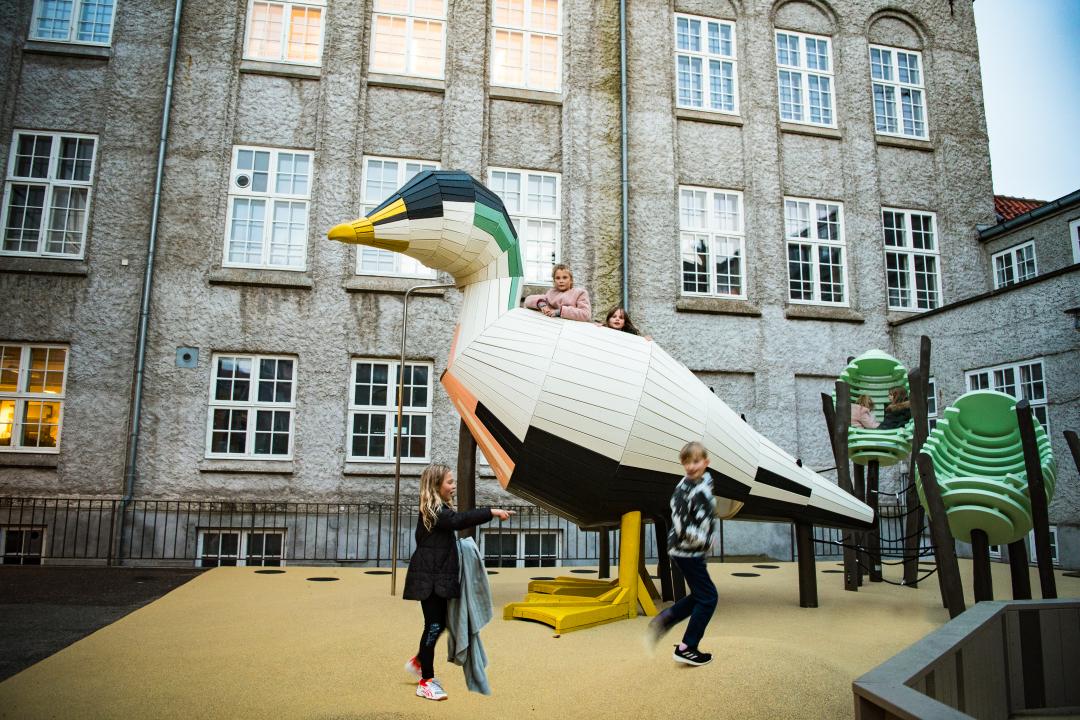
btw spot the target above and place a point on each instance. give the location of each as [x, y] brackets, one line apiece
[287, 32]
[713, 243]
[252, 406]
[268, 209]
[899, 99]
[47, 194]
[409, 37]
[532, 199]
[1074, 239]
[815, 244]
[527, 44]
[86, 22]
[382, 178]
[32, 383]
[805, 76]
[705, 69]
[1014, 265]
[373, 411]
[1024, 381]
[911, 259]
[931, 403]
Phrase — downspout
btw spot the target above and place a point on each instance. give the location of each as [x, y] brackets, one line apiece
[625, 164]
[148, 281]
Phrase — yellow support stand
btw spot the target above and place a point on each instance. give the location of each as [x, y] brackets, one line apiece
[569, 603]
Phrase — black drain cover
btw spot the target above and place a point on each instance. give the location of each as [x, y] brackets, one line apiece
[269, 572]
[584, 572]
[376, 572]
[542, 577]
[746, 574]
[768, 567]
[833, 571]
[323, 579]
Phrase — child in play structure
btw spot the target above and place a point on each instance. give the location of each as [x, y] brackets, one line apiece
[693, 514]
[898, 411]
[618, 319]
[862, 413]
[432, 577]
[563, 300]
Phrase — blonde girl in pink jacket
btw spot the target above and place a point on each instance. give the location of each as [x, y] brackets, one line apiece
[862, 413]
[563, 300]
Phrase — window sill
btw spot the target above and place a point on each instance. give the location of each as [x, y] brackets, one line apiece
[45, 47]
[718, 118]
[523, 95]
[30, 459]
[409, 468]
[261, 278]
[43, 266]
[267, 67]
[407, 82]
[263, 467]
[822, 312]
[814, 130]
[390, 285]
[909, 143]
[717, 306]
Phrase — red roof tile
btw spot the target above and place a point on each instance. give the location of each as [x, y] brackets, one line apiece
[1009, 207]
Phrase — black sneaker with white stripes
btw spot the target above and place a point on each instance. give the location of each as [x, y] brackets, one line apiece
[691, 656]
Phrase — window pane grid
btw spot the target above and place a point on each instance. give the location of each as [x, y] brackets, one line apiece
[712, 243]
[1014, 265]
[533, 201]
[83, 22]
[1024, 381]
[897, 79]
[527, 44]
[32, 391]
[409, 37]
[705, 64]
[912, 275]
[268, 209]
[381, 178]
[373, 411]
[251, 407]
[804, 78]
[817, 271]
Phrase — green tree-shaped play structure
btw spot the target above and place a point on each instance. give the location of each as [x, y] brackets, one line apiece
[874, 373]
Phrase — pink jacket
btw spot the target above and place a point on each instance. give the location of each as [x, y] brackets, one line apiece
[573, 304]
[861, 417]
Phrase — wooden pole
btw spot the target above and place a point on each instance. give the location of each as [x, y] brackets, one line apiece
[874, 536]
[1040, 517]
[858, 474]
[980, 560]
[466, 474]
[804, 538]
[1018, 569]
[918, 412]
[915, 514]
[1074, 446]
[944, 545]
[605, 553]
[838, 418]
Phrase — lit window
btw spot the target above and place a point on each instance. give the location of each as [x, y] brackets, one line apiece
[533, 203]
[408, 37]
[912, 256]
[1014, 265]
[85, 22]
[285, 32]
[805, 76]
[1024, 381]
[373, 406]
[252, 407]
[520, 548]
[527, 44]
[705, 68]
[899, 98]
[713, 242]
[269, 195]
[235, 547]
[32, 384]
[47, 194]
[814, 230]
[383, 176]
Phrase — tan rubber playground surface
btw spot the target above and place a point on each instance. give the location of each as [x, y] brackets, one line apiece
[235, 644]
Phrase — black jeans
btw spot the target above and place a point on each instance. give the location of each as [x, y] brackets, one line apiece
[434, 623]
[698, 605]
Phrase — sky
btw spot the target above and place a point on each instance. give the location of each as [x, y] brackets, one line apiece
[1030, 58]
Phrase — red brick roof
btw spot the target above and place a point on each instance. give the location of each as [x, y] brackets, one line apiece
[1009, 207]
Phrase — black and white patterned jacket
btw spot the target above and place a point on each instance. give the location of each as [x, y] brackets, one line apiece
[693, 517]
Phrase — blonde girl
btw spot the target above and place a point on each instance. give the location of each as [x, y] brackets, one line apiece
[563, 299]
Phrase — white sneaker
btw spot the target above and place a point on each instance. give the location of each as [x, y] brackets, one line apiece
[430, 689]
[413, 668]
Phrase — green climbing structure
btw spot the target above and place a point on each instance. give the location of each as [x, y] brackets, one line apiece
[874, 373]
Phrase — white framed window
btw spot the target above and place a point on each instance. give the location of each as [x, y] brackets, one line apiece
[84, 22]
[33, 379]
[520, 548]
[1033, 552]
[1024, 381]
[912, 259]
[931, 403]
[712, 242]
[408, 37]
[252, 407]
[706, 76]
[533, 201]
[805, 76]
[1074, 239]
[261, 547]
[817, 269]
[373, 411]
[899, 95]
[1014, 265]
[526, 44]
[47, 194]
[287, 32]
[382, 177]
[22, 544]
[269, 197]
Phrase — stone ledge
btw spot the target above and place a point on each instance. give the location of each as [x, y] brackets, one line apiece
[262, 467]
[812, 130]
[717, 306]
[908, 143]
[43, 266]
[524, 95]
[261, 278]
[390, 285]
[46, 47]
[30, 460]
[410, 469]
[822, 312]
[716, 117]
[406, 82]
[280, 69]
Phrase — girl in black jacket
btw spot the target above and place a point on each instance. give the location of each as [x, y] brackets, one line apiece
[433, 570]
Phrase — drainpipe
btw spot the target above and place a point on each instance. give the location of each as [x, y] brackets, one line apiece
[625, 165]
[148, 280]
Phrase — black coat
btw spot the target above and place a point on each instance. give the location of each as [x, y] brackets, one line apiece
[433, 568]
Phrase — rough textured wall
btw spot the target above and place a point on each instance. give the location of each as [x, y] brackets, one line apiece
[1053, 244]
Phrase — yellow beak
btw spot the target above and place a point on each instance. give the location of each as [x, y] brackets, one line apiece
[358, 232]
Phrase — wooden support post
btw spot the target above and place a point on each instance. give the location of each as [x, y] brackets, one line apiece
[858, 476]
[605, 553]
[1040, 517]
[1074, 446]
[918, 412]
[804, 539]
[838, 419]
[948, 573]
[980, 560]
[466, 474]
[915, 514]
[874, 536]
[1018, 569]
